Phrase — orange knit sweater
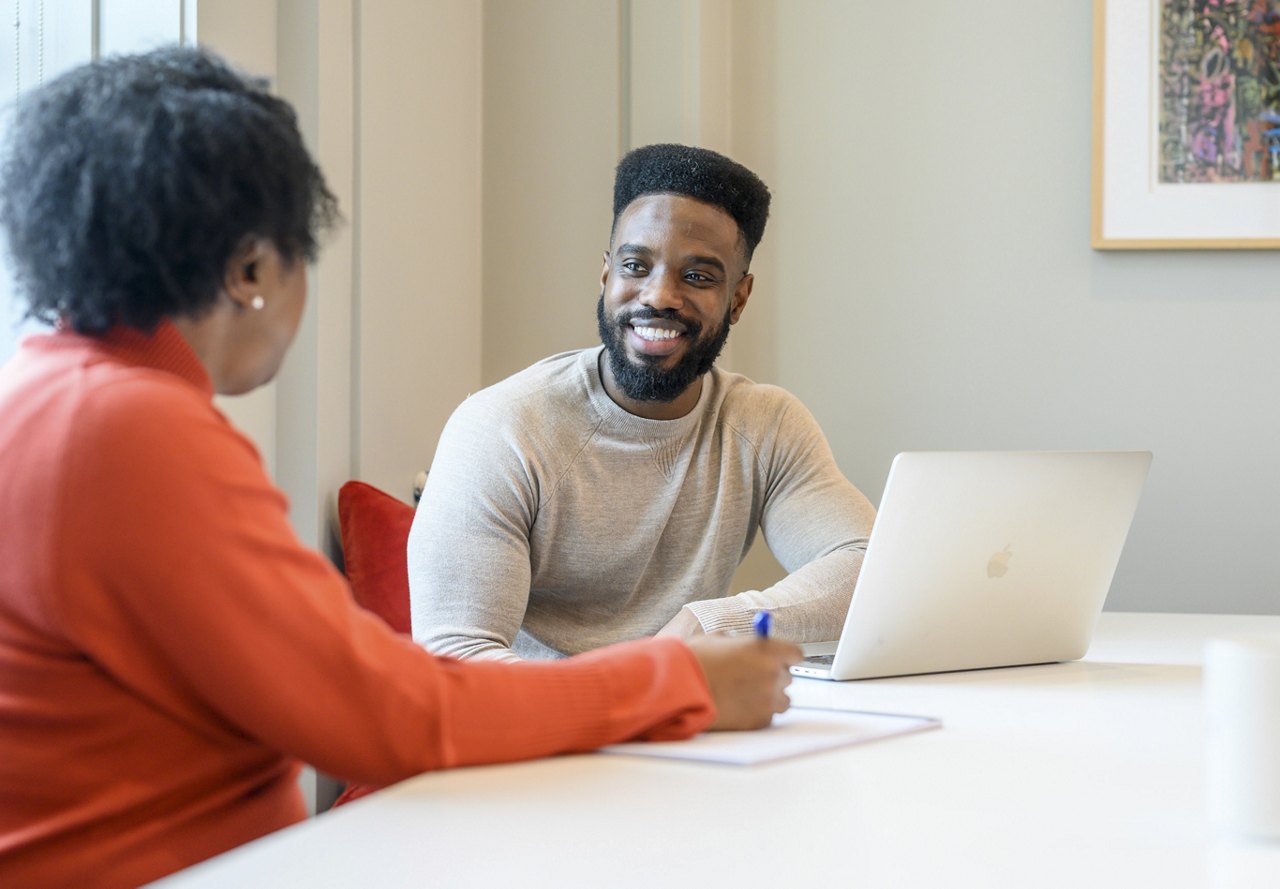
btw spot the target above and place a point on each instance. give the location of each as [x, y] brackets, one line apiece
[169, 651]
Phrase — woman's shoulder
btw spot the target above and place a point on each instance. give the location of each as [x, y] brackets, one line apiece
[141, 411]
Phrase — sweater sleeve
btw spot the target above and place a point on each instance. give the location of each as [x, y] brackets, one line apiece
[189, 588]
[816, 524]
[468, 555]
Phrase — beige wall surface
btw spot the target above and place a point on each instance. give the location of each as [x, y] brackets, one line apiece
[245, 32]
[389, 99]
[418, 199]
[934, 288]
[551, 130]
[926, 280]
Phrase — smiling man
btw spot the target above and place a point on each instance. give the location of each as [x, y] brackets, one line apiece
[610, 493]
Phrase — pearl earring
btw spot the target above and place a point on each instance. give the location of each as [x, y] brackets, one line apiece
[257, 302]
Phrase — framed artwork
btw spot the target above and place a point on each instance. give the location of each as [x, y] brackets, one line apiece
[1186, 124]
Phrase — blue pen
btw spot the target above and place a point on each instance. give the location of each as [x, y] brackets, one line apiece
[761, 624]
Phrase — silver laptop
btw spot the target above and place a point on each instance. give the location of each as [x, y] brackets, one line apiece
[985, 559]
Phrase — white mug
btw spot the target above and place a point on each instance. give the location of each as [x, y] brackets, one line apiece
[1242, 706]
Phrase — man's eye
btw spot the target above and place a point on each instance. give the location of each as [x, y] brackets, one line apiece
[634, 267]
[698, 278]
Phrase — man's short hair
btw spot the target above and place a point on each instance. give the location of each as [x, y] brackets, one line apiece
[697, 173]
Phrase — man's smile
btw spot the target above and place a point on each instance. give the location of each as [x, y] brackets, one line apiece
[655, 336]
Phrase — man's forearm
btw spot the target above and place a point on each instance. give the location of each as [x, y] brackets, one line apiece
[808, 605]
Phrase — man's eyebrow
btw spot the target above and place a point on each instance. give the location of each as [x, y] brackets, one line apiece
[712, 261]
[642, 251]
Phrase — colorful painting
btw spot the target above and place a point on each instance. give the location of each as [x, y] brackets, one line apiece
[1219, 91]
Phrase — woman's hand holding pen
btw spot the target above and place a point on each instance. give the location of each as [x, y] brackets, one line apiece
[747, 676]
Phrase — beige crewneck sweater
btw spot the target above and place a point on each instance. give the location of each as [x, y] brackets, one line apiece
[554, 521]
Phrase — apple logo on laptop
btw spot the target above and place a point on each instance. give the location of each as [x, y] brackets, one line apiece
[999, 564]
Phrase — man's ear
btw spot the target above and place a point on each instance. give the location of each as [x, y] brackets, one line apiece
[241, 278]
[604, 269]
[741, 294]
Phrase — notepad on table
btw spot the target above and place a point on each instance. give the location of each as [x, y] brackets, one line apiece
[799, 731]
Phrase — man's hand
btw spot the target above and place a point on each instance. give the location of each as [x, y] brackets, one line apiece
[683, 626]
[747, 676]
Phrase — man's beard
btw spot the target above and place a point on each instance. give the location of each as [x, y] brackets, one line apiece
[646, 381]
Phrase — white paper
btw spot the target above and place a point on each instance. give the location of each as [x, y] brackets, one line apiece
[799, 731]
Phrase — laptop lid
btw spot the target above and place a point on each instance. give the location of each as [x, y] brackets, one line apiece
[987, 559]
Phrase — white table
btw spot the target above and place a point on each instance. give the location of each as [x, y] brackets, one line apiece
[1086, 774]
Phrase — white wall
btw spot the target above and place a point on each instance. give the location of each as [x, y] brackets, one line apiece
[934, 286]
[551, 138]
[418, 206]
[388, 96]
[244, 32]
[926, 281]
[569, 87]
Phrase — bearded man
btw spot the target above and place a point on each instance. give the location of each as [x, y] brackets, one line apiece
[610, 493]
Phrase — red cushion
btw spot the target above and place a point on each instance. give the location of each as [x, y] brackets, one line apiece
[375, 534]
[355, 792]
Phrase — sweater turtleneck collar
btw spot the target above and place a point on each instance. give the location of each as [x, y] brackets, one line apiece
[163, 349]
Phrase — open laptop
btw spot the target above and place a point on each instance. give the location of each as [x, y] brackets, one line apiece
[985, 559]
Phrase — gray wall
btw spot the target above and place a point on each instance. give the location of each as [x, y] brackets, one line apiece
[933, 285]
[551, 82]
[927, 280]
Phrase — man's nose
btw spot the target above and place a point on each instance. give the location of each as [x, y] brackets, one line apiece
[662, 291]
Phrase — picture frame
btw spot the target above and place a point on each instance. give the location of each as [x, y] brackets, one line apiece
[1174, 168]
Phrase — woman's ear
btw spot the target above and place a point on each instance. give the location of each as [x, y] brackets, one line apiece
[241, 279]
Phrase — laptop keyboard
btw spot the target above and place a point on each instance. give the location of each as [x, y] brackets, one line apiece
[821, 660]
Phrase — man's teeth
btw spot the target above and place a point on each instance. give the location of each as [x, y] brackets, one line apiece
[655, 333]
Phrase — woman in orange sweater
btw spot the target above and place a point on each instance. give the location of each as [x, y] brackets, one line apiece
[169, 651]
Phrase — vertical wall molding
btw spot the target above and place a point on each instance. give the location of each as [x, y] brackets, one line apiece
[624, 77]
[317, 72]
[686, 102]
[690, 103]
[419, 149]
[244, 32]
